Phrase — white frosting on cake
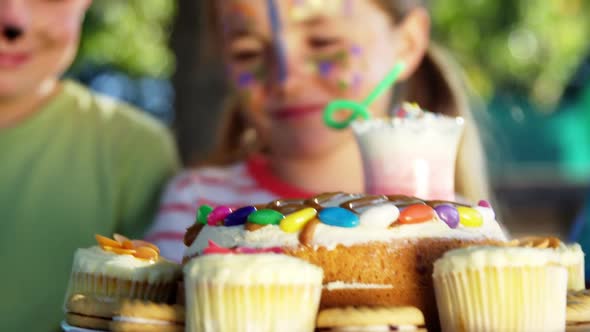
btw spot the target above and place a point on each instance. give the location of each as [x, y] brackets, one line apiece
[373, 328]
[253, 269]
[479, 257]
[146, 321]
[331, 236]
[95, 260]
[335, 285]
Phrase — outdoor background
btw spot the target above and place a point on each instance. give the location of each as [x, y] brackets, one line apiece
[527, 63]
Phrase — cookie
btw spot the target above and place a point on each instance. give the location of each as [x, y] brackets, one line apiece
[390, 318]
[137, 315]
[578, 307]
[90, 312]
[88, 305]
[70, 328]
[76, 321]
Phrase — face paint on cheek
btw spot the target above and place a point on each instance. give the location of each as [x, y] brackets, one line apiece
[326, 65]
[356, 52]
[248, 84]
[247, 78]
[343, 68]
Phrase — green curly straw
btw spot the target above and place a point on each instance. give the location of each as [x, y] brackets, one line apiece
[360, 109]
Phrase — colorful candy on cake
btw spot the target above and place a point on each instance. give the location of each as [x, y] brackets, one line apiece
[374, 250]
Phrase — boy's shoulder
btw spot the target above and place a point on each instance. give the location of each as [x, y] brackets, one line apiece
[107, 113]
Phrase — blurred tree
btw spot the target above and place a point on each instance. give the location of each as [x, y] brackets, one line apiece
[131, 35]
[124, 53]
[529, 47]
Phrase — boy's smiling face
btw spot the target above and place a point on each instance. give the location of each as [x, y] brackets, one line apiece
[38, 42]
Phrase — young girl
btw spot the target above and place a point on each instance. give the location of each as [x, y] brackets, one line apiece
[286, 60]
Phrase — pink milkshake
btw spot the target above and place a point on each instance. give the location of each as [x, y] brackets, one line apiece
[411, 155]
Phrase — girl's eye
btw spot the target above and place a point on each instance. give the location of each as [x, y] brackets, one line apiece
[323, 43]
[245, 56]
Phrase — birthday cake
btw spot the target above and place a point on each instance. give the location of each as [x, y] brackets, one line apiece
[374, 250]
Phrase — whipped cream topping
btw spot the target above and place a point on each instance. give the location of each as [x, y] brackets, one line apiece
[255, 269]
[95, 260]
[427, 123]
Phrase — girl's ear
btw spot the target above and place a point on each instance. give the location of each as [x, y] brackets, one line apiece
[412, 40]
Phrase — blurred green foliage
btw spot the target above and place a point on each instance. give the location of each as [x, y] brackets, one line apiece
[131, 35]
[530, 47]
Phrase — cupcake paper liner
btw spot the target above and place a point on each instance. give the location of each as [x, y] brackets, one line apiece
[528, 298]
[253, 308]
[576, 276]
[107, 286]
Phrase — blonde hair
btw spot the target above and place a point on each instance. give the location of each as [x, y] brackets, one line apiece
[435, 86]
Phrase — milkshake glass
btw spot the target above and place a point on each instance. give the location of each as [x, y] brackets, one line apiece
[413, 155]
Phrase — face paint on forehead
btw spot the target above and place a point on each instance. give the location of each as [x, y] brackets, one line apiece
[302, 9]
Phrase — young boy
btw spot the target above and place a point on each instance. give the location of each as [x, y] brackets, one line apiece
[72, 164]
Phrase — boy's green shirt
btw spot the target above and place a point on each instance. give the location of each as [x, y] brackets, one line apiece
[82, 165]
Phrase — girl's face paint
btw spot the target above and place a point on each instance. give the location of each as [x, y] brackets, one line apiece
[328, 54]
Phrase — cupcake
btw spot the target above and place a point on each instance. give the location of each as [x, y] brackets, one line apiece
[570, 255]
[261, 292]
[123, 269]
[501, 289]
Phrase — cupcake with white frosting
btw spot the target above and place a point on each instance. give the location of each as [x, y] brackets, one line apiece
[123, 269]
[251, 292]
[501, 289]
[570, 255]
